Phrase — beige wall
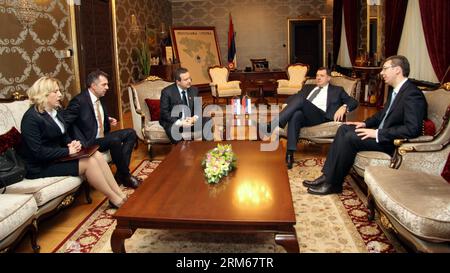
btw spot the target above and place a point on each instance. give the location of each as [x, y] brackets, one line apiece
[30, 52]
[260, 25]
[149, 15]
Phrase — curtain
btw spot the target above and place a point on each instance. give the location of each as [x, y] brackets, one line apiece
[413, 45]
[351, 15]
[337, 24]
[343, 59]
[436, 28]
[395, 17]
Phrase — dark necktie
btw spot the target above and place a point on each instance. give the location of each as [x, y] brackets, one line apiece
[387, 111]
[184, 98]
[314, 94]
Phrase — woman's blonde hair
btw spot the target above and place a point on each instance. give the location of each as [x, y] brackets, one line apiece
[39, 91]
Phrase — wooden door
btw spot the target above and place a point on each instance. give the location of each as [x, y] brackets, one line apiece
[95, 44]
[306, 43]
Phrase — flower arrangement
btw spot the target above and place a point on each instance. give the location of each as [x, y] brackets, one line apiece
[218, 162]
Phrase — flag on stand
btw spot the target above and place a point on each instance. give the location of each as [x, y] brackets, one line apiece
[231, 46]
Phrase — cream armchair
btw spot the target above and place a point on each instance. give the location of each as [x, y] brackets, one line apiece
[438, 113]
[297, 77]
[414, 200]
[220, 86]
[147, 130]
[325, 132]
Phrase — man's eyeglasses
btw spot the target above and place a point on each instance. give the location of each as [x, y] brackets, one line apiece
[387, 67]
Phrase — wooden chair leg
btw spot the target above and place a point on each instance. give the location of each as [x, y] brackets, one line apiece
[150, 152]
[370, 206]
[33, 236]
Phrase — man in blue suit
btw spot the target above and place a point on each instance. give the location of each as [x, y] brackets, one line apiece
[313, 105]
[88, 121]
[401, 117]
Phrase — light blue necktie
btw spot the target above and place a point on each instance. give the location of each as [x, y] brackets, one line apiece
[387, 111]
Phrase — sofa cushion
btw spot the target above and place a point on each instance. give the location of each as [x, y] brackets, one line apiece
[153, 108]
[364, 159]
[11, 114]
[10, 139]
[15, 210]
[155, 132]
[420, 202]
[446, 171]
[429, 129]
[45, 189]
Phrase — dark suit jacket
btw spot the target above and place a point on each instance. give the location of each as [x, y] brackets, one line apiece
[170, 97]
[80, 117]
[42, 140]
[405, 117]
[336, 97]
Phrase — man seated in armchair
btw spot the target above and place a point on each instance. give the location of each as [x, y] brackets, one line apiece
[179, 97]
[401, 117]
[312, 105]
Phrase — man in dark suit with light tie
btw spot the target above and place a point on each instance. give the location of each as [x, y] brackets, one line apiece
[314, 104]
[401, 117]
[89, 122]
[179, 95]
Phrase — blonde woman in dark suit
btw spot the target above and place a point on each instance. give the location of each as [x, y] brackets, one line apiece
[45, 141]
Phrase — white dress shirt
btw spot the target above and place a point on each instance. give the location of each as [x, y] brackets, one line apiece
[321, 99]
[53, 114]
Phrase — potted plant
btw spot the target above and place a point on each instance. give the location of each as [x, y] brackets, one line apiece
[144, 55]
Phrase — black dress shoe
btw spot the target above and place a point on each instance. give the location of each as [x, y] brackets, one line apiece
[314, 183]
[289, 160]
[128, 181]
[325, 189]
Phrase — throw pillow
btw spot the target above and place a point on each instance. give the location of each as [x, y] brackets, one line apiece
[446, 171]
[429, 129]
[153, 107]
[10, 139]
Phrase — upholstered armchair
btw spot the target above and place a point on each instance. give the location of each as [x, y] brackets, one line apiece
[438, 115]
[325, 132]
[220, 86]
[144, 96]
[414, 200]
[297, 76]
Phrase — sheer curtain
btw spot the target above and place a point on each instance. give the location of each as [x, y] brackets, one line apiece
[413, 46]
[343, 56]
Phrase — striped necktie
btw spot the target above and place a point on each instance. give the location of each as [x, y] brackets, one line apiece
[101, 132]
[314, 94]
[387, 111]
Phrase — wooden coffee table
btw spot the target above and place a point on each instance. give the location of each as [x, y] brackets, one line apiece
[255, 197]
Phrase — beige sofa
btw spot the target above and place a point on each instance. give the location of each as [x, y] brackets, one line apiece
[25, 203]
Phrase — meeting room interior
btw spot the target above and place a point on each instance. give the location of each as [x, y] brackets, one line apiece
[243, 166]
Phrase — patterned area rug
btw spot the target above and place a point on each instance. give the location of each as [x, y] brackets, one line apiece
[331, 224]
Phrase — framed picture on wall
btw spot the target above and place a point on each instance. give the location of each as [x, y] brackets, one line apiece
[196, 49]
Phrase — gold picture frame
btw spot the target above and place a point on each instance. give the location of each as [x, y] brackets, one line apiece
[196, 49]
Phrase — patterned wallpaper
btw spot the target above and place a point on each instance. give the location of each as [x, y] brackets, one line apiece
[260, 25]
[149, 15]
[29, 52]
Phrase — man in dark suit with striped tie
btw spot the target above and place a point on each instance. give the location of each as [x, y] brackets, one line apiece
[312, 105]
[402, 117]
[179, 96]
